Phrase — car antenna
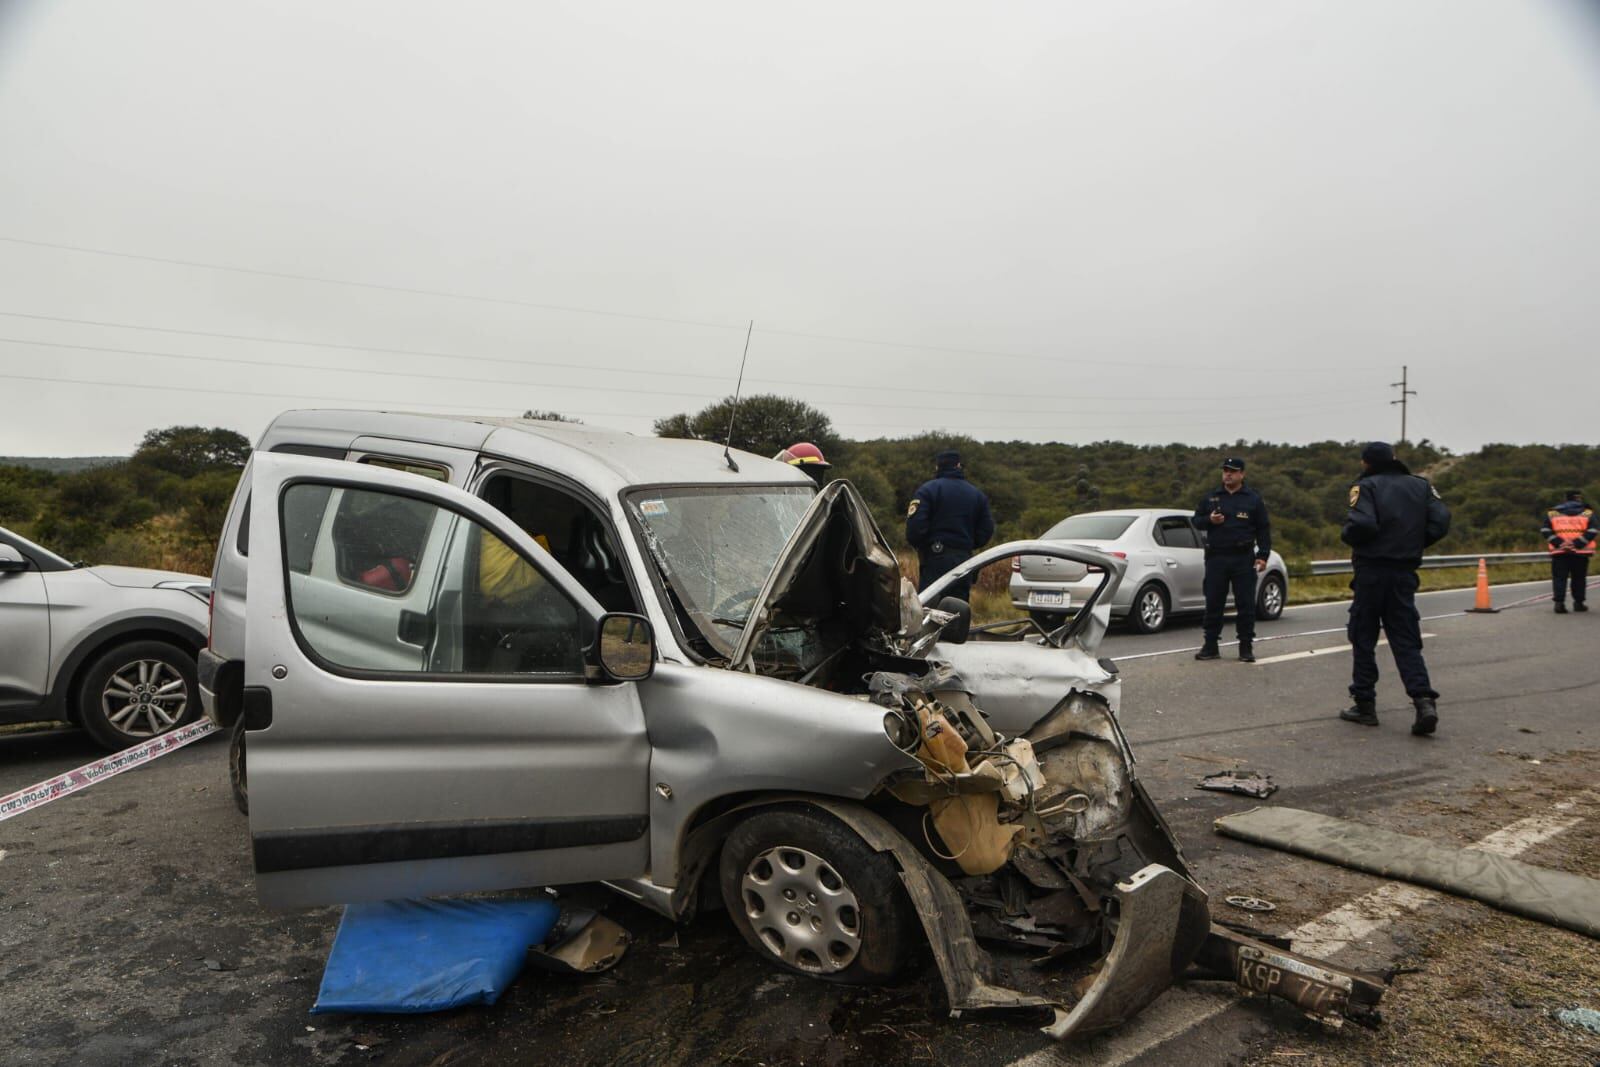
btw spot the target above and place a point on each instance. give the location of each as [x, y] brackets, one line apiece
[727, 445]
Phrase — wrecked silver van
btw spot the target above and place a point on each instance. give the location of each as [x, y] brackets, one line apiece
[481, 654]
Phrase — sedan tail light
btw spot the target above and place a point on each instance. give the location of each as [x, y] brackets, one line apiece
[1120, 555]
[1016, 563]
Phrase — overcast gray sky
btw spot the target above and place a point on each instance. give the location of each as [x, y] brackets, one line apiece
[1141, 221]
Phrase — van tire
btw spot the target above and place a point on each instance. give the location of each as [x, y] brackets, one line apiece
[863, 906]
[236, 768]
[104, 692]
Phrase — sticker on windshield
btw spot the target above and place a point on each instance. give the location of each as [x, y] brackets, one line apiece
[652, 508]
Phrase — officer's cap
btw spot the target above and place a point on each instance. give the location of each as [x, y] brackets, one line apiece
[948, 458]
[1378, 452]
[1233, 463]
[1574, 494]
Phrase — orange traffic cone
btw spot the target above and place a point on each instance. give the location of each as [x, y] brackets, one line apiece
[1481, 605]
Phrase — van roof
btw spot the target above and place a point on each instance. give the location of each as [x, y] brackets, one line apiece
[607, 460]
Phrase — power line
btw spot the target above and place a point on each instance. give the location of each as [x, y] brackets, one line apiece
[592, 367]
[575, 309]
[1064, 422]
[278, 365]
[402, 289]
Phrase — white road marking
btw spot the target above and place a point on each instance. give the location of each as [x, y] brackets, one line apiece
[1307, 653]
[1173, 1014]
[1358, 920]
[1593, 583]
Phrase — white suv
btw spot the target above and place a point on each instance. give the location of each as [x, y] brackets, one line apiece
[111, 649]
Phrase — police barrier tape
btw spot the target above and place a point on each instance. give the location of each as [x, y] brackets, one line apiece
[83, 777]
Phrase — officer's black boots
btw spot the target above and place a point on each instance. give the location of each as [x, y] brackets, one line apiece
[1208, 651]
[1580, 606]
[1247, 652]
[1427, 716]
[1561, 607]
[1364, 712]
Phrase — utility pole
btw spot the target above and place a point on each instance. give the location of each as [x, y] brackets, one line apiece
[1405, 394]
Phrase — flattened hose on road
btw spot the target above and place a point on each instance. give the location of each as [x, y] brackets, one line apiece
[1567, 900]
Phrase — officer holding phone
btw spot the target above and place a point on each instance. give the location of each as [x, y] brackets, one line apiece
[1238, 542]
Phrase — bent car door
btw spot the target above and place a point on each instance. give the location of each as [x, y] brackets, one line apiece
[420, 718]
[1017, 681]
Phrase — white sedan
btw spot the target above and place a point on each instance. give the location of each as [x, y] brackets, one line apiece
[1165, 551]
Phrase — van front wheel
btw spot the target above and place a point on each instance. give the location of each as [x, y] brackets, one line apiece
[808, 894]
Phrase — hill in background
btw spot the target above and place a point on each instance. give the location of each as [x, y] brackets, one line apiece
[61, 464]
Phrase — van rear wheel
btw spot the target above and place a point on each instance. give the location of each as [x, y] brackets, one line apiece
[809, 895]
[237, 779]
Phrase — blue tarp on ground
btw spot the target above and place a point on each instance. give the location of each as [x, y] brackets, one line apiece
[429, 955]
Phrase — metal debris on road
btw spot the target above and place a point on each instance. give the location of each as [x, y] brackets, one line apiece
[1245, 783]
[1250, 903]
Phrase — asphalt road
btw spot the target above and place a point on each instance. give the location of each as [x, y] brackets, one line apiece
[129, 932]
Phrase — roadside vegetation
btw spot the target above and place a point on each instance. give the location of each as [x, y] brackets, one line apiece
[164, 505]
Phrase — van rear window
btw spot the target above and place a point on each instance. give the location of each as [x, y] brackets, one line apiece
[321, 451]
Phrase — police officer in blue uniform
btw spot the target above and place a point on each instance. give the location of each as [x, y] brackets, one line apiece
[1393, 516]
[947, 520]
[1238, 542]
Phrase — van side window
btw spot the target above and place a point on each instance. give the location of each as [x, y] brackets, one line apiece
[465, 602]
[288, 449]
[378, 539]
[427, 470]
[570, 530]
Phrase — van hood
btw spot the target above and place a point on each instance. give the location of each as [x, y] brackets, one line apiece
[837, 573]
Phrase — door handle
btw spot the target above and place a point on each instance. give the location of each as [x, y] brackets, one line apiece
[1172, 562]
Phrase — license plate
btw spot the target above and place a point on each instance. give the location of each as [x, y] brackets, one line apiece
[1046, 599]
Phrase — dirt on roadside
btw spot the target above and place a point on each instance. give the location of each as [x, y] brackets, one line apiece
[1478, 986]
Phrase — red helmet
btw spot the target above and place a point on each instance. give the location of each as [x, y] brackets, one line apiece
[803, 454]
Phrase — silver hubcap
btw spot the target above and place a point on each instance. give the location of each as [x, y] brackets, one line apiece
[1150, 609]
[802, 910]
[1272, 598]
[145, 698]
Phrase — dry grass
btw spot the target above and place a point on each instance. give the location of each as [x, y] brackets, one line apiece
[1337, 586]
[991, 601]
[1481, 986]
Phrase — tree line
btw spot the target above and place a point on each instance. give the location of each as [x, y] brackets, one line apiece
[164, 505]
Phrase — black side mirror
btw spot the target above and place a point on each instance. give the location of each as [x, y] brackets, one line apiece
[11, 561]
[626, 647]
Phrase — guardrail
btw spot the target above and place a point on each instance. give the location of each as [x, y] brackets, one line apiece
[1343, 566]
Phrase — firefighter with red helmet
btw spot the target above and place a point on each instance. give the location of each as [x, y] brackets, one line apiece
[809, 458]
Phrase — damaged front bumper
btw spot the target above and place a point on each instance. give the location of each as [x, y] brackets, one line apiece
[1152, 946]
[1161, 928]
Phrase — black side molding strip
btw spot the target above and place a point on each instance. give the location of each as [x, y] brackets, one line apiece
[346, 846]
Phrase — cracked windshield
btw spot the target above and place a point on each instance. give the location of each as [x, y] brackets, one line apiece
[715, 547]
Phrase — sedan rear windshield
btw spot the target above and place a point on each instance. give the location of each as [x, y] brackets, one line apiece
[1089, 528]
